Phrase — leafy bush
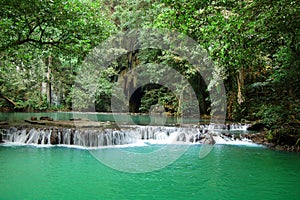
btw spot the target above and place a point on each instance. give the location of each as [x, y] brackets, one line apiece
[159, 96]
[272, 116]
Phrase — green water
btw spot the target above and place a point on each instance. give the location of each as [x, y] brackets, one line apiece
[121, 118]
[228, 172]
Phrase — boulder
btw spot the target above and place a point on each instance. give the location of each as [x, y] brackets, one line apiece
[258, 138]
[209, 139]
[258, 126]
[54, 136]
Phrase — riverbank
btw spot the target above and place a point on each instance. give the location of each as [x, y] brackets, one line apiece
[262, 138]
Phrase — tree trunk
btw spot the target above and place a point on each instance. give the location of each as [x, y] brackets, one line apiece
[230, 104]
[49, 86]
[240, 82]
[8, 100]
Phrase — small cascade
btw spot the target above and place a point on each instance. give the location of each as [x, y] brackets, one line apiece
[161, 136]
[216, 127]
[64, 136]
[238, 127]
[203, 134]
[226, 127]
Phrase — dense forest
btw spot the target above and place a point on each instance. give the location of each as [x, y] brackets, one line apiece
[255, 47]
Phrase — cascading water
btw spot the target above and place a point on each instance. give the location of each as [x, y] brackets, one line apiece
[128, 135]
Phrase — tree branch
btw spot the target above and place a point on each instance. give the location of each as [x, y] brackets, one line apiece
[8, 100]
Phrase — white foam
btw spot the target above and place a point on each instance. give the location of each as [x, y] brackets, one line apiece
[18, 144]
[244, 142]
[15, 144]
[136, 144]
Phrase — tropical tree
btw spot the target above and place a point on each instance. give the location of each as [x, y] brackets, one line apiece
[55, 34]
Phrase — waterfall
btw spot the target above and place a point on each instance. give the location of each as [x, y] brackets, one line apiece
[125, 135]
[227, 127]
[239, 127]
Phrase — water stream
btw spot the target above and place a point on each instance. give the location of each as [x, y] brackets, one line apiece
[123, 118]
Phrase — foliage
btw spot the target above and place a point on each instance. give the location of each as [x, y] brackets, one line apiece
[42, 43]
[68, 25]
[255, 46]
[159, 96]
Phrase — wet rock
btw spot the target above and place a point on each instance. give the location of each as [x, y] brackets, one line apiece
[181, 137]
[33, 118]
[46, 118]
[31, 122]
[270, 145]
[287, 148]
[3, 123]
[279, 148]
[226, 134]
[238, 137]
[209, 139]
[75, 119]
[256, 127]
[258, 138]
[54, 136]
